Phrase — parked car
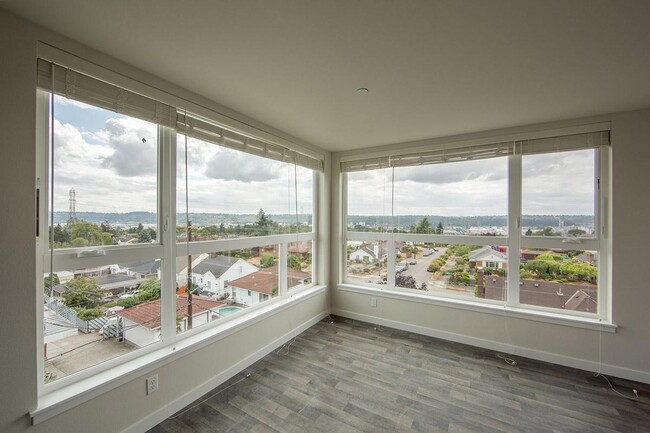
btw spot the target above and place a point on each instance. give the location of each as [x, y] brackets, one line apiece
[126, 295]
[413, 262]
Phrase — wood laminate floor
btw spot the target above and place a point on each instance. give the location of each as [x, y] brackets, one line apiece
[350, 376]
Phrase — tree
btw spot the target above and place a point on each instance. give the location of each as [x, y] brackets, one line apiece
[295, 262]
[529, 232]
[440, 229]
[82, 292]
[86, 230]
[144, 237]
[576, 232]
[149, 290]
[423, 226]
[267, 260]
[547, 231]
[48, 281]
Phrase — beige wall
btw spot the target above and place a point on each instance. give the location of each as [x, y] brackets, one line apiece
[125, 405]
[626, 352]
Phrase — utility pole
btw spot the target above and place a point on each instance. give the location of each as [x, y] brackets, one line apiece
[189, 278]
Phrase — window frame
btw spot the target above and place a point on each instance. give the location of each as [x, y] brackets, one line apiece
[515, 240]
[166, 249]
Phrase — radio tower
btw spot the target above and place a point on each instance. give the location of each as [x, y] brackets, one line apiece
[73, 206]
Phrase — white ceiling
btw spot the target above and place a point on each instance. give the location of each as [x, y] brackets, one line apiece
[434, 68]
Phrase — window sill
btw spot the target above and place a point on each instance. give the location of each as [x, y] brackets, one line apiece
[500, 309]
[60, 400]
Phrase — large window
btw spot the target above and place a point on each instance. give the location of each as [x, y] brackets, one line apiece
[445, 223]
[154, 224]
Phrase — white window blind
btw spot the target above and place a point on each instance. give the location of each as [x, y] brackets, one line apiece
[74, 85]
[455, 154]
[589, 140]
[195, 127]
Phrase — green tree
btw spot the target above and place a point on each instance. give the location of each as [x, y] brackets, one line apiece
[423, 226]
[144, 237]
[89, 313]
[547, 231]
[295, 262]
[48, 281]
[86, 230]
[82, 292]
[267, 260]
[149, 290]
[440, 229]
[529, 232]
[576, 232]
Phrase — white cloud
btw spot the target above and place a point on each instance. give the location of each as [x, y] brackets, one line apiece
[134, 144]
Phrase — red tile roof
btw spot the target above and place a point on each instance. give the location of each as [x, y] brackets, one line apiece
[148, 314]
[265, 280]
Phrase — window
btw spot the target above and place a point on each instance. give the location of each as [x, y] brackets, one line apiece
[140, 199]
[444, 223]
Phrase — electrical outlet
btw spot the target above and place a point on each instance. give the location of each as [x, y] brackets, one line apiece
[373, 302]
[152, 384]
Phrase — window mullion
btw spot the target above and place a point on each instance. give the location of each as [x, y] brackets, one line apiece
[283, 270]
[167, 206]
[514, 228]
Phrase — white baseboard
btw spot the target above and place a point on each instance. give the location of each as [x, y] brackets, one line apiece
[610, 370]
[161, 414]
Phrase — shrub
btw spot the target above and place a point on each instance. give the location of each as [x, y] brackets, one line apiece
[89, 314]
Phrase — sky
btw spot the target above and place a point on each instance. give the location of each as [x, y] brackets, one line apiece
[553, 184]
[111, 162]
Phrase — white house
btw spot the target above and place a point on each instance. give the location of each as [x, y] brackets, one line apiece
[212, 273]
[487, 257]
[262, 285]
[141, 323]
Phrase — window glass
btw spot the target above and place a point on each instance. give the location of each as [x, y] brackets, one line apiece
[95, 314]
[559, 279]
[224, 283]
[459, 198]
[468, 271]
[235, 194]
[370, 201]
[558, 194]
[104, 177]
[367, 262]
[299, 263]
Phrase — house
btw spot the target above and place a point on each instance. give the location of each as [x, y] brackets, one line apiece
[336, 82]
[365, 254]
[141, 323]
[487, 257]
[212, 273]
[142, 269]
[262, 285]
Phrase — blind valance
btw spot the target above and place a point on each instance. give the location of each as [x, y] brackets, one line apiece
[450, 153]
[201, 129]
[83, 88]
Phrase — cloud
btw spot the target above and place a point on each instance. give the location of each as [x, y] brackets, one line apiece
[483, 170]
[134, 147]
[228, 164]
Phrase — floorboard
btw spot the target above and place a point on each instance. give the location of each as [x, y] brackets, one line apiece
[350, 376]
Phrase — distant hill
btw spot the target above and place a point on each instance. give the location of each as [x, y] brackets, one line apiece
[207, 219]
[198, 219]
[535, 221]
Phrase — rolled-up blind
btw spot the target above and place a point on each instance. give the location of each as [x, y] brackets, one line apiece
[80, 87]
[201, 129]
[448, 154]
[563, 143]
